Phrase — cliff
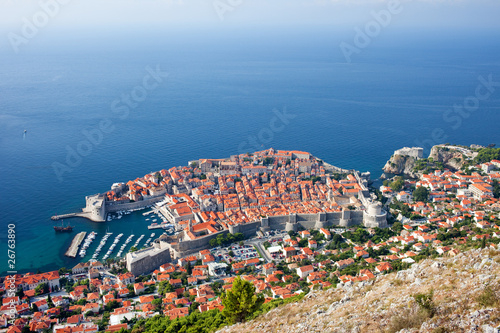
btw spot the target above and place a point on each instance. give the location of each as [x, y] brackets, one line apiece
[399, 164]
[450, 157]
[463, 296]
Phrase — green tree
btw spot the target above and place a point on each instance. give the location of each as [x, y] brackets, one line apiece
[303, 242]
[63, 270]
[213, 242]
[189, 268]
[165, 287]
[157, 302]
[20, 293]
[49, 302]
[496, 189]
[268, 160]
[42, 288]
[111, 305]
[240, 301]
[397, 227]
[421, 194]
[397, 184]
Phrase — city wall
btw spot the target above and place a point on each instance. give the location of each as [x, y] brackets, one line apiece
[295, 222]
[112, 207]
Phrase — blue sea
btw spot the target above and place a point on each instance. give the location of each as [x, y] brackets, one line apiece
[227, 91]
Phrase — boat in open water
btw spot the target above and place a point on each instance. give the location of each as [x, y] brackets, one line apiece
[63, 228]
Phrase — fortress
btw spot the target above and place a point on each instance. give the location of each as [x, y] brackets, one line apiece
[167, 248]
[416, 152]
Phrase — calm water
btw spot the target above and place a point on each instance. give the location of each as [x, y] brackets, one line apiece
[222, 88]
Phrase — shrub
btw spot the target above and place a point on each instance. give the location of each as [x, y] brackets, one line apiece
[487, 298]
[406, 319]
[426, 303]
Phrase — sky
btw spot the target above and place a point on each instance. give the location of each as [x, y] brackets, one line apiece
[102, 14]
[22, 21]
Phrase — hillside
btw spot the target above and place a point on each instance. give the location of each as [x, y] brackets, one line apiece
[451, 158]
[466, 293]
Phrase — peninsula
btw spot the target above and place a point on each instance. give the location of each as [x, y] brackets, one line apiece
[247, 194]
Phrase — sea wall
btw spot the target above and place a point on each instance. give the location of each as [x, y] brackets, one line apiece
[112, 207]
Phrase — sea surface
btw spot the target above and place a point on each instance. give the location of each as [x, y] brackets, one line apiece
[222, 93]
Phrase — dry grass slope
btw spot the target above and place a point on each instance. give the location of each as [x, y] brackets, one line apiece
[460, 294]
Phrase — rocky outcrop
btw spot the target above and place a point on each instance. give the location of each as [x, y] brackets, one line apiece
[449, 156]
[465, 298]
[400, 165]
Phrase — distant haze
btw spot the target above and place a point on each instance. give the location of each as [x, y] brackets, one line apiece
[155, 13]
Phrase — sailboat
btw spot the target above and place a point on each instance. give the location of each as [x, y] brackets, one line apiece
[62, 228]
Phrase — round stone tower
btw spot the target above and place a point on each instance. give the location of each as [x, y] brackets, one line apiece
[375, 216]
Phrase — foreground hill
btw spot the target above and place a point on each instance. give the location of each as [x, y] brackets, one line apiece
[457, 294]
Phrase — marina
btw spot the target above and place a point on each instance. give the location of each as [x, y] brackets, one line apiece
[101, 244]
[112, 247]
[122, 248]
[136, 244]
[86, 243]
[75, 244]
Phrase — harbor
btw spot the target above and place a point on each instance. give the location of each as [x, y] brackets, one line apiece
[85, 247]
[75, 244]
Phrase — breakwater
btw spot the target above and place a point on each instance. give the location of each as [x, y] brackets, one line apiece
[75, 244]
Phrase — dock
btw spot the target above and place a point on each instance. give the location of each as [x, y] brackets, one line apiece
[75, 244]
[158, 226]
[65, 216]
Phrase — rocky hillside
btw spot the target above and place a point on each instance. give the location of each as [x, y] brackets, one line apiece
[399, 165]
[457, 294]
[451, 158]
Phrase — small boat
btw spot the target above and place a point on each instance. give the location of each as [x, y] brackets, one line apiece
[63, 228]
